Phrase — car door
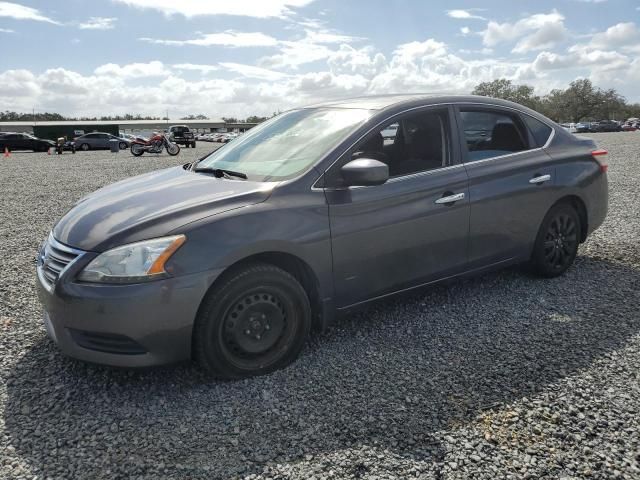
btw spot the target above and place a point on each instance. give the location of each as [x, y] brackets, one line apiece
[510, 179]
[88, 138]
[102, 140]
[402, 233]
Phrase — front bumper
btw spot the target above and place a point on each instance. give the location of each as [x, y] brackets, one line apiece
[103, 323]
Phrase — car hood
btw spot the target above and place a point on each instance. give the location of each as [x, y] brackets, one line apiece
[152, 205]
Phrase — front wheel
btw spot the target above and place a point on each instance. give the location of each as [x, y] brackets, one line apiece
[137, 149]
[557, 242]
[84, 147]
[256, 322]
[173, 149]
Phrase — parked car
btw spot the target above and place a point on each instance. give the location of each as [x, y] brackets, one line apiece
[236, 258]
[23, 141]
[608, 126]
[583, 127]
[182, 135]
[631, 126]
[99, 140]
[227, 137]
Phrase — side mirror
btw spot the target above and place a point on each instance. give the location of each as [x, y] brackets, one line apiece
[365, 172]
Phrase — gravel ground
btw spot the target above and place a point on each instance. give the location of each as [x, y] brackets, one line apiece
[501, 376]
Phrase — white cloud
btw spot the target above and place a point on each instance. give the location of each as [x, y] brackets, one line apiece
[196, 67]
[465, 30]
[349, 60]
[6, 30]
[546, 36]
[18, 84]
[98, 23]
[547, 30]
[253, 72]
[21, 12]
[464, 14]
[133, 70]
[311, 48]
[247, 8]
[616, 36]
[229, 38]
[579, 56]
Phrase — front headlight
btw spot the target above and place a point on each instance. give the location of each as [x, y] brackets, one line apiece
[136, 262]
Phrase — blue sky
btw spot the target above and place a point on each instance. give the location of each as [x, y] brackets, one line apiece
[242, 57]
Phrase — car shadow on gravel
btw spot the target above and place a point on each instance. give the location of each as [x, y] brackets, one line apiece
[387, 378]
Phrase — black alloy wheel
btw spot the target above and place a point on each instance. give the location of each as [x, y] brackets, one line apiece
[557, 242]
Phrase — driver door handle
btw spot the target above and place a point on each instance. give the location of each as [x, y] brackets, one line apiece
[540, 179]
[450, 198]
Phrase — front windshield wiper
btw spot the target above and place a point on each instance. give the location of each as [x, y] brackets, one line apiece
[221, 172]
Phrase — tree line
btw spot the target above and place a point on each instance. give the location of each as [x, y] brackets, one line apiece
[580, 101]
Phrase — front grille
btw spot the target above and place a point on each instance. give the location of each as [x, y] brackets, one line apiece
[54, 259]
[107, 342]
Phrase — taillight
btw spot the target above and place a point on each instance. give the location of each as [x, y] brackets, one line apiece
[601, 156]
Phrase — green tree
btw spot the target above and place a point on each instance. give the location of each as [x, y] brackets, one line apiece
[506, 90]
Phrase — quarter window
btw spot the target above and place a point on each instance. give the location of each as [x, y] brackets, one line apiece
[490, 133]
[540, 131]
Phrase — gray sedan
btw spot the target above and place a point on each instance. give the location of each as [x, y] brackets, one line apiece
[98, 140]
[235, 259]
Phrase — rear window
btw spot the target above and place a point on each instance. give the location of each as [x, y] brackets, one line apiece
[539, 130]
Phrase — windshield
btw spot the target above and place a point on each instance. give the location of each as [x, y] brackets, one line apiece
[287, 144]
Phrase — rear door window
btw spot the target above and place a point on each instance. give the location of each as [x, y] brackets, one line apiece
[492, 133]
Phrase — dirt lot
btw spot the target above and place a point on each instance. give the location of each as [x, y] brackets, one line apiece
[501, 376]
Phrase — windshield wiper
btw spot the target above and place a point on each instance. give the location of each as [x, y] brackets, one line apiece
[221, 172]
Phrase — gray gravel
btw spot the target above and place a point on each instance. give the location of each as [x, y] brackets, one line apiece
[502, 376]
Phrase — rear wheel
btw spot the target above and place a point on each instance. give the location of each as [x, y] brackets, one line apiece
[137, 149]
[122, 145]
[557, 242]
[254, 323]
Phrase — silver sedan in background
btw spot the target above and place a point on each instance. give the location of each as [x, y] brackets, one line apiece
[99, 140]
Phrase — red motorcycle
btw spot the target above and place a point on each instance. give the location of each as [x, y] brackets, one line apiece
[155, 144]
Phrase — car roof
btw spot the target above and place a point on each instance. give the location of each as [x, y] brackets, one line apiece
[381, 102]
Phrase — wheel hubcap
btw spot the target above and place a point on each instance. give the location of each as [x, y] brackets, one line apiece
[560, 241]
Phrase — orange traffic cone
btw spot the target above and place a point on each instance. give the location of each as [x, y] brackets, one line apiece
[7, 153]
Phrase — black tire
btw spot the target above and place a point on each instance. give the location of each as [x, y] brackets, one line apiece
[85, 147]
[255, 322]
[175, 152]
[136, 150]
[193, 145]
[557, 242]
[122, 145]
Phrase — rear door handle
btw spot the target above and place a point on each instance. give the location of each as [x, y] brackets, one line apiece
[540, 179]
[450, 198]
